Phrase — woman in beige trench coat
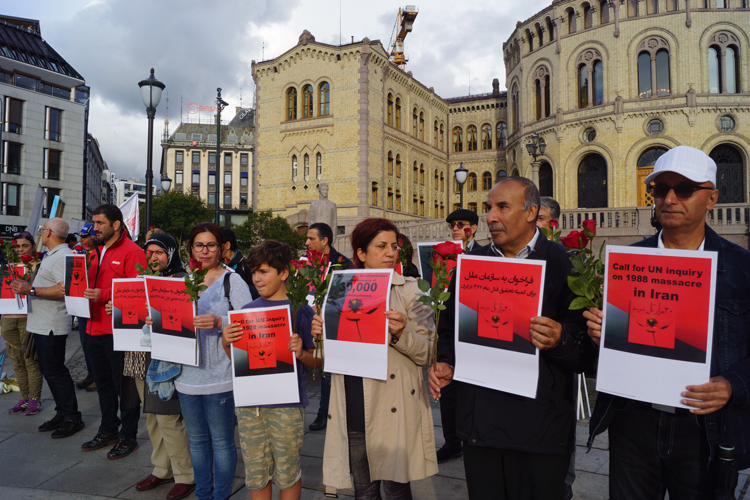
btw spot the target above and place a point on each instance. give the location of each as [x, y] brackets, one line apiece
[382, 430]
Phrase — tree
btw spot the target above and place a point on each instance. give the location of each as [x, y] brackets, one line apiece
[176, 213]
[262, 226]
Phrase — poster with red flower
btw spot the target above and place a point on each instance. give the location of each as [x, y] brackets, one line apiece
[657, 331]
[355, 328]
[129, 313]
[264, 370]
[495, 301]
[10, 303]
[76, 282]
[173, 337]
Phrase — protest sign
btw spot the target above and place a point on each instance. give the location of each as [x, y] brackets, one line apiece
[76, 282]
[495, 300]
[173, 336]
[355, 329]
[264, 370]
[129, 313]
[657, 331]
[10, 302]
[424, 255]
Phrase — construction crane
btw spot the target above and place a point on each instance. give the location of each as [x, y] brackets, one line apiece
[403, 26]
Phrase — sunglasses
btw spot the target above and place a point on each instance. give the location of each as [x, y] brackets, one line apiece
[22, 234]
[458, 224]
[683, 190]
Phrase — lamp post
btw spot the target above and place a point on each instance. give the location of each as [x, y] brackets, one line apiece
[220, 103]
[461, 174]
[151, 90]
[166, 183]
[535, 147]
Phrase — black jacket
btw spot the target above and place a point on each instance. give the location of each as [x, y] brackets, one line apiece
[239, 265]
[546, 424]
[334, 257]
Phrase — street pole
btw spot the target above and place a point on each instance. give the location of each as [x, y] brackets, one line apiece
[461, 200]
[149, 169]
[218, 152]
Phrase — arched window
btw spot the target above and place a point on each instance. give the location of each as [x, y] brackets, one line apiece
[421, 205]
[723, 63]
[645, 166]
[730, 180]
[598, 82]
[545, 179]
[632, 8]
[603, 12]
[435, 134]
[442, 137]
[435, 186]
[458, 141]
[307, 101]
[374, 193]
[538, 30]
[471, 138]
[530, 39]
[541, 93]
[415, 119]
[653, 68]
[592, 182]
[672, 5]
[294, 168]
[515, 173]
[390, 198]
[501, 135]
[390, 110]
[319, 166]
[325, 99]
[501, 174]
[486, 181]
[398, 166]
[651, 7]
[486, 136]
[442, 182]
[291, 104]
[583, 86]
[416, 173]
[515, 102]
[571, 14]
[421, 126]
[550, 28]
[307, 166]
[398, 200]
[390, 162]
[590, 78]
[721, 4]
[421, 174]
[588, 16]
[398, 113]
[471, 182]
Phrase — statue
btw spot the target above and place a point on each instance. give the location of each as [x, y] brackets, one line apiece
[324, 210]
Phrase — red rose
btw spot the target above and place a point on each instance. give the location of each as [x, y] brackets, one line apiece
[195, 264]
[149, 253]
[78, 248]
[297, 264]
[437, 261]
[575, 239]
[151, 228]
[13, 243]
[554, 223]
[589, 228]
[447, 250]
[26, 258]
[314, 256]
[226, 262]
[467, 231]
[400, 243]
[324, 258]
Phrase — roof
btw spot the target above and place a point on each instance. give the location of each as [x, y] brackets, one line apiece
[477, 97]
[21, 42]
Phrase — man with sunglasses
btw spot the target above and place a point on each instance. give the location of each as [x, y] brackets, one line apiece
[115, 257]
[654, 448]
[459, 221]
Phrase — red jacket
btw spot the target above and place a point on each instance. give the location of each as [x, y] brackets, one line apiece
[118, 262]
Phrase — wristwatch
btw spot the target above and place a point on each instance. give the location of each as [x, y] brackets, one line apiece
[33, 292]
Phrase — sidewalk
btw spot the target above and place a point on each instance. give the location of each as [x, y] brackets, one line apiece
[34, 466]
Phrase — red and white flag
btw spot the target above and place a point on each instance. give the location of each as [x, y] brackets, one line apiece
[131, 216]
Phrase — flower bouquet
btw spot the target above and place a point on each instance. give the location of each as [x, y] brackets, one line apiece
[588, 283]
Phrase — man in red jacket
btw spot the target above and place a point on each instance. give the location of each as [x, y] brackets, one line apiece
[115, 257]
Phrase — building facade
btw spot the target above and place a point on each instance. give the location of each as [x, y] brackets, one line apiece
[96, 187]
[126, 188]
[44, 108]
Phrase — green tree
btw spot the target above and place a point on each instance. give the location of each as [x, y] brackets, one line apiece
[262, 226]
[176, 213]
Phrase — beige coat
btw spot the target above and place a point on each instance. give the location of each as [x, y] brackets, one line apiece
[398, 419]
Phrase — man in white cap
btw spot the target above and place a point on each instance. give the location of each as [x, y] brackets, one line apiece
[654, 448]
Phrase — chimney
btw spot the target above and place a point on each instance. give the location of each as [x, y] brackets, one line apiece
[237, 109]
[495, 86]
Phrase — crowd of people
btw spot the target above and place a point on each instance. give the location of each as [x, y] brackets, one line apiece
[379, 434]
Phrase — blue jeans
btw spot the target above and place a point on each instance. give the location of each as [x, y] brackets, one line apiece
[210, 422]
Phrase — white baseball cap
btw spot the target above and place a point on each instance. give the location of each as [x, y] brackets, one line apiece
[688, 162]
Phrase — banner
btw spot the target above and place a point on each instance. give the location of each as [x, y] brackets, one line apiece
[355, 329]
[173, 336]
[131, 216]
[657, 331]
[424, 255]
[76, 282]
[129, 313]
[264, 370]
[10, 302]
[495, 300]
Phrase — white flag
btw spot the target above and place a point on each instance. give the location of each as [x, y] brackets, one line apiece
[131, 217]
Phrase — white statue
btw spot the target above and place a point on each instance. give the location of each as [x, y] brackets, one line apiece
[324, 210]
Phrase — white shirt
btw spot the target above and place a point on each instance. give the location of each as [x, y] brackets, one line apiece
[660, 243]
[525, 251]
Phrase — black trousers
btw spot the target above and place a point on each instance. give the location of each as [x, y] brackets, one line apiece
[493, 474]
[50, 350]
[448, 399]
[107, 365]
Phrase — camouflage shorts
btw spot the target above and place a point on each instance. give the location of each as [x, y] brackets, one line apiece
[271, 441]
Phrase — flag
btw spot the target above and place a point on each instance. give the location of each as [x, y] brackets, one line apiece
[131, 217]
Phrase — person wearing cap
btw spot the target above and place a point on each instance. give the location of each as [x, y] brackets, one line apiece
[652, 448]
[459, 220]
[86, 235]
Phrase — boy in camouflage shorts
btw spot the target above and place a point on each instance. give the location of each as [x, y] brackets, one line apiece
[271, 436]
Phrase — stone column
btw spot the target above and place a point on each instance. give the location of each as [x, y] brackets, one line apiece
[535, 172]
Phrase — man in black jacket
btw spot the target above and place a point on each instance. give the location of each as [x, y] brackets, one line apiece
[235, 261]
[516, 447]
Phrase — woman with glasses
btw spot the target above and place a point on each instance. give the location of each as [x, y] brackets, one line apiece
[205, 391]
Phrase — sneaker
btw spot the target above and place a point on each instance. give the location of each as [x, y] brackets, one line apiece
[33, 406]
[82, 384]
[449, 452]
[68, 428]
[52, 425]
[122, 448]
[20, 407]
[100, 441]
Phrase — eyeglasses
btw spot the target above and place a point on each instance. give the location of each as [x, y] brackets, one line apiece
[682, 191]
[458, 224]
[22, 234]
[211, 247]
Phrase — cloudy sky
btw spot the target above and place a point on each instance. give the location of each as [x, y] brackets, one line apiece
[196, 46]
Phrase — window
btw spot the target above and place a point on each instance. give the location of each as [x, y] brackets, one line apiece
[243, 179]
[545, 179]
[501, 175]
[211, 177]
[515, 103]
[486, 181]
[318, 166]
[11, 199]
[588, 16]
[541, 93]
[179, 156]
[197, 137]
[721, 4]
[473, 207]
[671, 5]
[228, 159]
[12, 158]
[458, 144]
[291, 104]
[632, 8]
[421, 126]
[442, 136]
[442, 211]
[211, 198]
[374, 193]
[501, 135]
[196, 157]
[306, 164]
[436, 210]
[398, 166]
[653, 68]
[398, 200]
[723, 63]
[243, 159]
[15, 112]
[54, 124]
[227, 179]
[416, 205]
[651, 7]
[389, 110]
[390, 199]
[590, 78]
[604, 12]
[324, 97]
[421, 174]
[589, 134]
[435, 186]
[416, 173]
[294, 168]
[390, 162]
[471, 138]
[178, 178]
[655, 127]
[571, 20]
[530, 39]
[211, 137]
[227, 200]
[456, 206]
[49, 201]
[52, 168]
[398, 113]
[243, 199]
[212, 157]
[435, 135]
[442, 182]
[471, 182]
[307, 101]
[726, 123]
[179, 137]
[196, 178]
[583, 86]
[414, 120]
[421, 205]
[486, 136]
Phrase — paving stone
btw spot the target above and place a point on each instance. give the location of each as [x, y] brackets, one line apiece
[453, 469]
[101, 478]
[444, 488]
[30, 472]
[314, 444]
[592, 461]
[6, 435]
[589, 486]
[29, 494]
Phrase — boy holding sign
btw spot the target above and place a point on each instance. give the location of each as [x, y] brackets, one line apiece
[271, 436]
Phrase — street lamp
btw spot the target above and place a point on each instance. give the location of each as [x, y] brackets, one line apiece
[535, 147]
[220, 104]
[461, 174]
[151, 90]
[166, 183]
